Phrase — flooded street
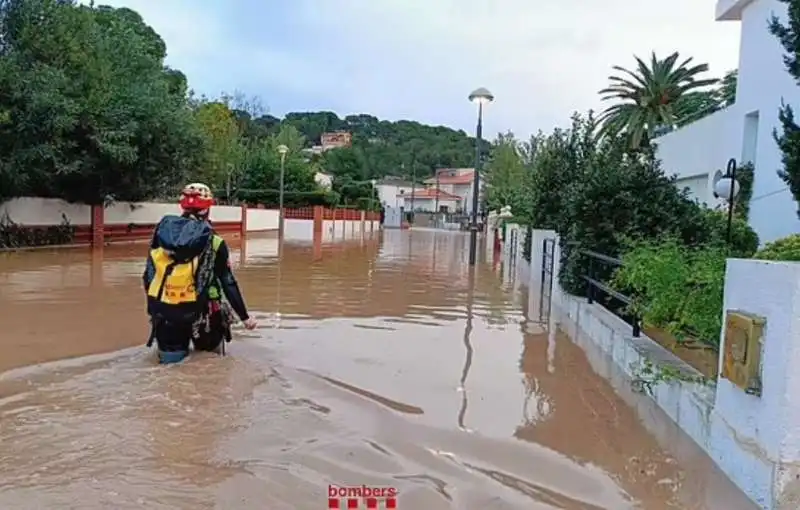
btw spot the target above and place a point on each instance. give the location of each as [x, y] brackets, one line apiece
[381, 362]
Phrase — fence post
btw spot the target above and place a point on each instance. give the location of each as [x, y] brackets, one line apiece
[243, 224]
[319, 211]
[590, 285]
[98, 226]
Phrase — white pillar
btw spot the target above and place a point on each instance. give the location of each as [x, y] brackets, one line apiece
[756, 439]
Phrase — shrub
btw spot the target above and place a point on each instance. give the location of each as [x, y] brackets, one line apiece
[787, 248]
[271, 197]
[714, 228]
[622, 196]
[13, 235]
[676, 288]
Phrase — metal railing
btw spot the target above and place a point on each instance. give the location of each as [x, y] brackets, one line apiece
[547, 277]
[593, 284]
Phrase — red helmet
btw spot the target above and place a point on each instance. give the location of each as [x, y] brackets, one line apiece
[196, 197]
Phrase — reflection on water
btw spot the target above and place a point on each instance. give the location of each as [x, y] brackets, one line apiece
[381, 361]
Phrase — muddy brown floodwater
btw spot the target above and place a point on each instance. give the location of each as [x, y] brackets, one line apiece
[383, 362]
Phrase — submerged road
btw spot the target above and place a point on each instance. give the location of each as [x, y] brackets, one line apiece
[381, 362]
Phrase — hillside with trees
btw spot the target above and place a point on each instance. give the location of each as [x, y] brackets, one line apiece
[384, 147]
[89, 112]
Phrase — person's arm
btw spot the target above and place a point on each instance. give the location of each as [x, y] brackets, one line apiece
[224, 274]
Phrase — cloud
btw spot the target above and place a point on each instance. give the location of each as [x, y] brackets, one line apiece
[420, 59]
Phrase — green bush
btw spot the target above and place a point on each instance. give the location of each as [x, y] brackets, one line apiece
[367, 204]
[271, 198]
[620, 197]
[676, 288]
[787, 248]
[13, 235]
[714, 228]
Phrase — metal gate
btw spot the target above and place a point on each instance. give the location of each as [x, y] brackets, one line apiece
[546, 292]
[512, 248]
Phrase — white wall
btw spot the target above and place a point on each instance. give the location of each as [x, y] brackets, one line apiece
[149, 213]
[388, 194]
[744, 130]
[298, 229]
[48, 211]
[429, 205]
[44, 211]
[763, 82]
[123, 213]
[465, 192]
[698, 150]
[259, 220]
[756, 439]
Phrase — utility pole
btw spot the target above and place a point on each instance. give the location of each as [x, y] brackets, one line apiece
[436, 207]
[413, 181]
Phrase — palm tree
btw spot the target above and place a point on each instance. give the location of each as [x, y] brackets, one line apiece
[647, 97]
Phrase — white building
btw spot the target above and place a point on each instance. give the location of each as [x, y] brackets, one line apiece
[455, 181]
[323, 180]
[391, 191]
[431, 200]
[744, 130]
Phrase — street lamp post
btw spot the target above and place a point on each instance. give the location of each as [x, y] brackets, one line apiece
[282, 150]
[373, 182]
[727, 187]
[481, 97]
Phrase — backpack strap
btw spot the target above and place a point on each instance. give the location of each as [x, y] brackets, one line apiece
[163, 284]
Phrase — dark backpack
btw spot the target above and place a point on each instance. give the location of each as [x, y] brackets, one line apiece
[180, 270]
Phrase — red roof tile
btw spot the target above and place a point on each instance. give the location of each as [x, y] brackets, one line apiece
[462, 178]
[430, 194]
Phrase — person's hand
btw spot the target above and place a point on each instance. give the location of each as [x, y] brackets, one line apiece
[250, 323]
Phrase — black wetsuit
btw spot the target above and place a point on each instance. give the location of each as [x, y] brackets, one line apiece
[174, 337]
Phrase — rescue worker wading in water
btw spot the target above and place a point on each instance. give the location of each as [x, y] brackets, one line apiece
[187, 273]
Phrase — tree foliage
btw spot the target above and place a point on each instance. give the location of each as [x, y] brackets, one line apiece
[785, 249]
[89, 112]
[648, 99]
[677, 288]
[386, 147]
[697, 104]
[788, 138]
[599, 196]
[507, 175]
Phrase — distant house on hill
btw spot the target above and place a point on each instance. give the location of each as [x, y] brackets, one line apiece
[335, 140]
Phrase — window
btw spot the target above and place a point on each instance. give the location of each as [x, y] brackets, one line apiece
[750, 137]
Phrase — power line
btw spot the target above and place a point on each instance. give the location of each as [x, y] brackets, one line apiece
[771, 193]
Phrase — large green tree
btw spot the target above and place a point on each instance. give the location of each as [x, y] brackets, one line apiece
[788, 137]
[89, 112]
[647, 99]
[506, 176]
[263, 164]
[225, 151]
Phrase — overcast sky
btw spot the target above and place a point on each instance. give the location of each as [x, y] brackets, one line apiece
[419, 59]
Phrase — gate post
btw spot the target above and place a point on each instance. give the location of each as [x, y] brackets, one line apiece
[98, 226]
